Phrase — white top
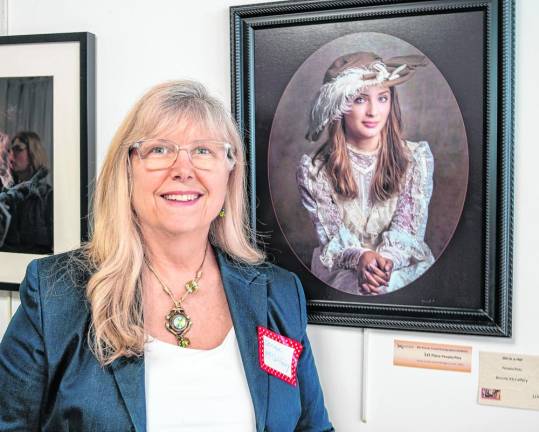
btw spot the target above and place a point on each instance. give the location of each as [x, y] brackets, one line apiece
[196, 390]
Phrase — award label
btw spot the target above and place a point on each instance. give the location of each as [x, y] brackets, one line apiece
[429, 355]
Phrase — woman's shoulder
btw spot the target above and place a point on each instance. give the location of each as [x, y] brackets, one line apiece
[53, 299]
[277, 275]
[310, 171]
[57, 280]
[286, 299]
[419, 149]
[266, 271]
[72, 264]
[282, 285]
[311, 163]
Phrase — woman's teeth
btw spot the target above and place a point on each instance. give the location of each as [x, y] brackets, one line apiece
[181, 197]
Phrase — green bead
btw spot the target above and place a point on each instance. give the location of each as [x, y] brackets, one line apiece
[191, 286]
[184, 342]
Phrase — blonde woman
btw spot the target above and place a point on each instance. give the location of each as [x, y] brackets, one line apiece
[367, 189]
[155, 324]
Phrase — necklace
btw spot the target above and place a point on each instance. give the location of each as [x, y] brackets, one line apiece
[177, 321]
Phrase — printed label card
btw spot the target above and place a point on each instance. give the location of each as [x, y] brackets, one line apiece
[509, 380]
[429, 355]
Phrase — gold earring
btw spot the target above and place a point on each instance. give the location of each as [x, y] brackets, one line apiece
[222, 213]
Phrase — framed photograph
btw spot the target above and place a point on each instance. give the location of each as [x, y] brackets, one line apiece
[47, 147]
[380, 148]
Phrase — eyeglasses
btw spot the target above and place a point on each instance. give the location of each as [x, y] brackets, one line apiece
[160, 154]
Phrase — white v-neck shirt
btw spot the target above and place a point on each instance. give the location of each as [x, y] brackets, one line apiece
[195, 390]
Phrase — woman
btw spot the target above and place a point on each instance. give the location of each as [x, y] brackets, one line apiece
[154, 323]
[367, 189]
[27, 204]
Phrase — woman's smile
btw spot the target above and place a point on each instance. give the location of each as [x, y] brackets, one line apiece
[182, 198]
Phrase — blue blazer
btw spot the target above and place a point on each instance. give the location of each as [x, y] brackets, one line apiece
[51, 381]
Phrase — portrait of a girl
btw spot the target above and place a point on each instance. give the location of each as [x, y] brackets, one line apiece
[366, 188]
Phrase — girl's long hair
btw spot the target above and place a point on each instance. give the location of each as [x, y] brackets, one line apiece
[393, 158]
[116, 249]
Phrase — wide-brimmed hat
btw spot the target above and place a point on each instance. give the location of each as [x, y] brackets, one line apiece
[351, 73]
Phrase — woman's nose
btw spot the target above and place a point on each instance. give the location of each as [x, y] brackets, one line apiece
[183, 167]
[372, 109]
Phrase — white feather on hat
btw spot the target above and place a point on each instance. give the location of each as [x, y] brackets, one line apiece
[333, 99]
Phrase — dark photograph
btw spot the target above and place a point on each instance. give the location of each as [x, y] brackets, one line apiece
[26, 195]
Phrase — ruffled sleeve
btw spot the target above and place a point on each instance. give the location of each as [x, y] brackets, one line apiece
[339, 247]
[404, 241]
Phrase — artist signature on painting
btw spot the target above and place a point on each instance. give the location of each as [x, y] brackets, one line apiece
[428, 301]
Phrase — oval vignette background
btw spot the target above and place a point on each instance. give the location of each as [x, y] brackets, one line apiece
[429, 111]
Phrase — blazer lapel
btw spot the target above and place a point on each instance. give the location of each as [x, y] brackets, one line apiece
[246, 293]
[129, 376]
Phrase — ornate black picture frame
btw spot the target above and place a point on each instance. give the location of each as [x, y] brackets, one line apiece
[67, 62]
[470, 44]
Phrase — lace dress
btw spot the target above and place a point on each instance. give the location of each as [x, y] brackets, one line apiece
[345, 228]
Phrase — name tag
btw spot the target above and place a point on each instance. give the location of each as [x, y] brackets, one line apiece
[278, 355]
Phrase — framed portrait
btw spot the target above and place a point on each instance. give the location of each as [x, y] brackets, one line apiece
[380, 149]
[47, 146]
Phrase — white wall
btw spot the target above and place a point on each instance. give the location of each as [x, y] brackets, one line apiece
[140, 43]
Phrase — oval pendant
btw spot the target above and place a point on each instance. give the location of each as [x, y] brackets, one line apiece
[178, 322]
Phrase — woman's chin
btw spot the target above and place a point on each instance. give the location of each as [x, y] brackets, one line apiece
[177, 230]
[368, 134]
[364, 133]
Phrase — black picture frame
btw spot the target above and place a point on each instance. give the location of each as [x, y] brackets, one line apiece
[70, 59]
[270, 41]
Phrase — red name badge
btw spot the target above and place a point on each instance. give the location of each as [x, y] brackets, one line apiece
[278, 355]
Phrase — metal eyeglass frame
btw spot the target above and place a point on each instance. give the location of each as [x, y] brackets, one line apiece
[226, 145]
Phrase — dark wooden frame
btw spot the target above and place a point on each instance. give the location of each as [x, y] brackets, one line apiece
[86, 43]
[493, 318]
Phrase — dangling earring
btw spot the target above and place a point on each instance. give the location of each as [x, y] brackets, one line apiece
[222, 213]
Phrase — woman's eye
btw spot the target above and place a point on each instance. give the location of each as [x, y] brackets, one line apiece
[360, 100]
[202, 151]
[383, 98]
[158, 150]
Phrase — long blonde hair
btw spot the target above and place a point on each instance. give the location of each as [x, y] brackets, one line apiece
[116, 248]
[392, 162]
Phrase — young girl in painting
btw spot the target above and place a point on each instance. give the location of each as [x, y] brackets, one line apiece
[367, 189]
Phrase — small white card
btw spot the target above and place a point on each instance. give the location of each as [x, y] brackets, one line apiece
[509, 380]
[278, 356]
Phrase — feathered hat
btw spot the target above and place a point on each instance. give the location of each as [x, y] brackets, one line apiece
[351, 73]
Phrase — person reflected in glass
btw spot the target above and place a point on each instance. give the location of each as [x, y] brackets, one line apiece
[26, 202]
